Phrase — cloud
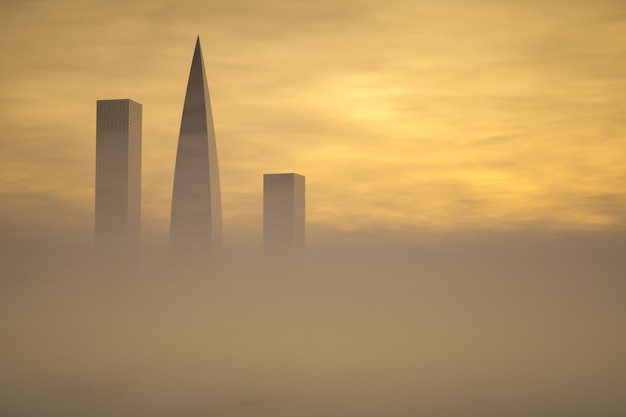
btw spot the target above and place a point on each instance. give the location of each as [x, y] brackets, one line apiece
[457, 115]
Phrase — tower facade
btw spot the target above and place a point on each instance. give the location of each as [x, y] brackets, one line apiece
[118, 174]
[283, 213]
[196, 220]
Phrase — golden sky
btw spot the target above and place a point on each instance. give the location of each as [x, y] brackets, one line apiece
[405, 116]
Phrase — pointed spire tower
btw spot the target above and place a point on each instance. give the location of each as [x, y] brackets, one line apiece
[196, 222]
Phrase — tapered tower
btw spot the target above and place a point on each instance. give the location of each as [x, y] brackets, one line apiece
[196, 222]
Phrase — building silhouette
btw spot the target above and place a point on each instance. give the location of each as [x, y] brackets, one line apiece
[283, 214]
[118, 175]
[196, 220]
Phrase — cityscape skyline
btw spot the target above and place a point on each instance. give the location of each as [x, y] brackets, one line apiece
[196, 219]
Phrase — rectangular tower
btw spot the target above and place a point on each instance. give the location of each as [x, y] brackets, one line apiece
[283, 213]
[118, 174]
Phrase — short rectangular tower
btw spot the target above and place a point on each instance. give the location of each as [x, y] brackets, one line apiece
[118, 174]
[283, 213]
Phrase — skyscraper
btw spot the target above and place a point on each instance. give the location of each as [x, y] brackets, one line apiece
[283, 213]
[196, 222]
[118, 174]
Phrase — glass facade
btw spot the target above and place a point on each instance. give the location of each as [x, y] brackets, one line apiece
[196, 221]
[283, 213]
[118, 174]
